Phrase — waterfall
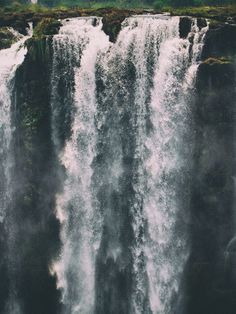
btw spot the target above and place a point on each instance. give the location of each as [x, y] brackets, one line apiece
[122, 131]
[148, 87]
[78, 44]
[11, 59]
[131, 66]
[168, 166]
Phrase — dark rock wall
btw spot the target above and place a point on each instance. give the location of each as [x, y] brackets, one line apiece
[210, 272]
[32, 222]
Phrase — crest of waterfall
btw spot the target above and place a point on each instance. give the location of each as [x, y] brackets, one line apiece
[121, 128]
[78, 45]
[10, 58]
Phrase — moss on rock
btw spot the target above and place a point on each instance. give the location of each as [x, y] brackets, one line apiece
[7, 37]
[220, 60]
[47, 26]
[46, 20]
[112, 22]
[39, 48]
[221, 13]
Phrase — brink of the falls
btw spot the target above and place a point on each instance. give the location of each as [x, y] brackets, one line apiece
[117, 162]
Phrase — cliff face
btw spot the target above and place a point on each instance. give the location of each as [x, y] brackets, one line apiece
[37, 238]
[31, 222]
[210, 280]
[211, 267]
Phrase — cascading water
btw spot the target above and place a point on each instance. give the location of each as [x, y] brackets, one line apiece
[155, 100]
[11, 59]
[76, 206]
[117, 164]
[121, 129]
[168, 166]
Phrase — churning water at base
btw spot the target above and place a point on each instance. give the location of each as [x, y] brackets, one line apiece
[121, 128]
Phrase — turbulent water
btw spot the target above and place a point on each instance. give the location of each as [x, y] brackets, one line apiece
[76, 206]
[11, 59]
[121, 128]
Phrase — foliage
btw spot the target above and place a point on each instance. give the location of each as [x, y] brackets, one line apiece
[17, 7]
[220, 60]
[205, 11]
[175, 7]
[47, 26]
[7, 38]
[158, 4]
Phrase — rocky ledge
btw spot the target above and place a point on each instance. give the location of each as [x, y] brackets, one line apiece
[7, 37]
[220, 45]
[112, 18]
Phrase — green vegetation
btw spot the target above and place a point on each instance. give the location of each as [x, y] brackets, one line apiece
[191, 3]
[19, 5]
[221, 61]
[47, 26]
[7, 38]
[70, 4]
[156, 5]
[45, 18]
[212, 12]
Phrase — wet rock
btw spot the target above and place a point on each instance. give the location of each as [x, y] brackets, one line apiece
[220, 41]
[184, 26]
[16, 21]
[213, 189]
[35, 162]
[47, 26]
[7, 37]
[201, 22]
[112, 22]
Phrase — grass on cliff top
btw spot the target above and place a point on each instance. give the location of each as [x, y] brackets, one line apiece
[201, 11]
[205, 11]
[47, 26]
[35, 8]
[219, 61]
